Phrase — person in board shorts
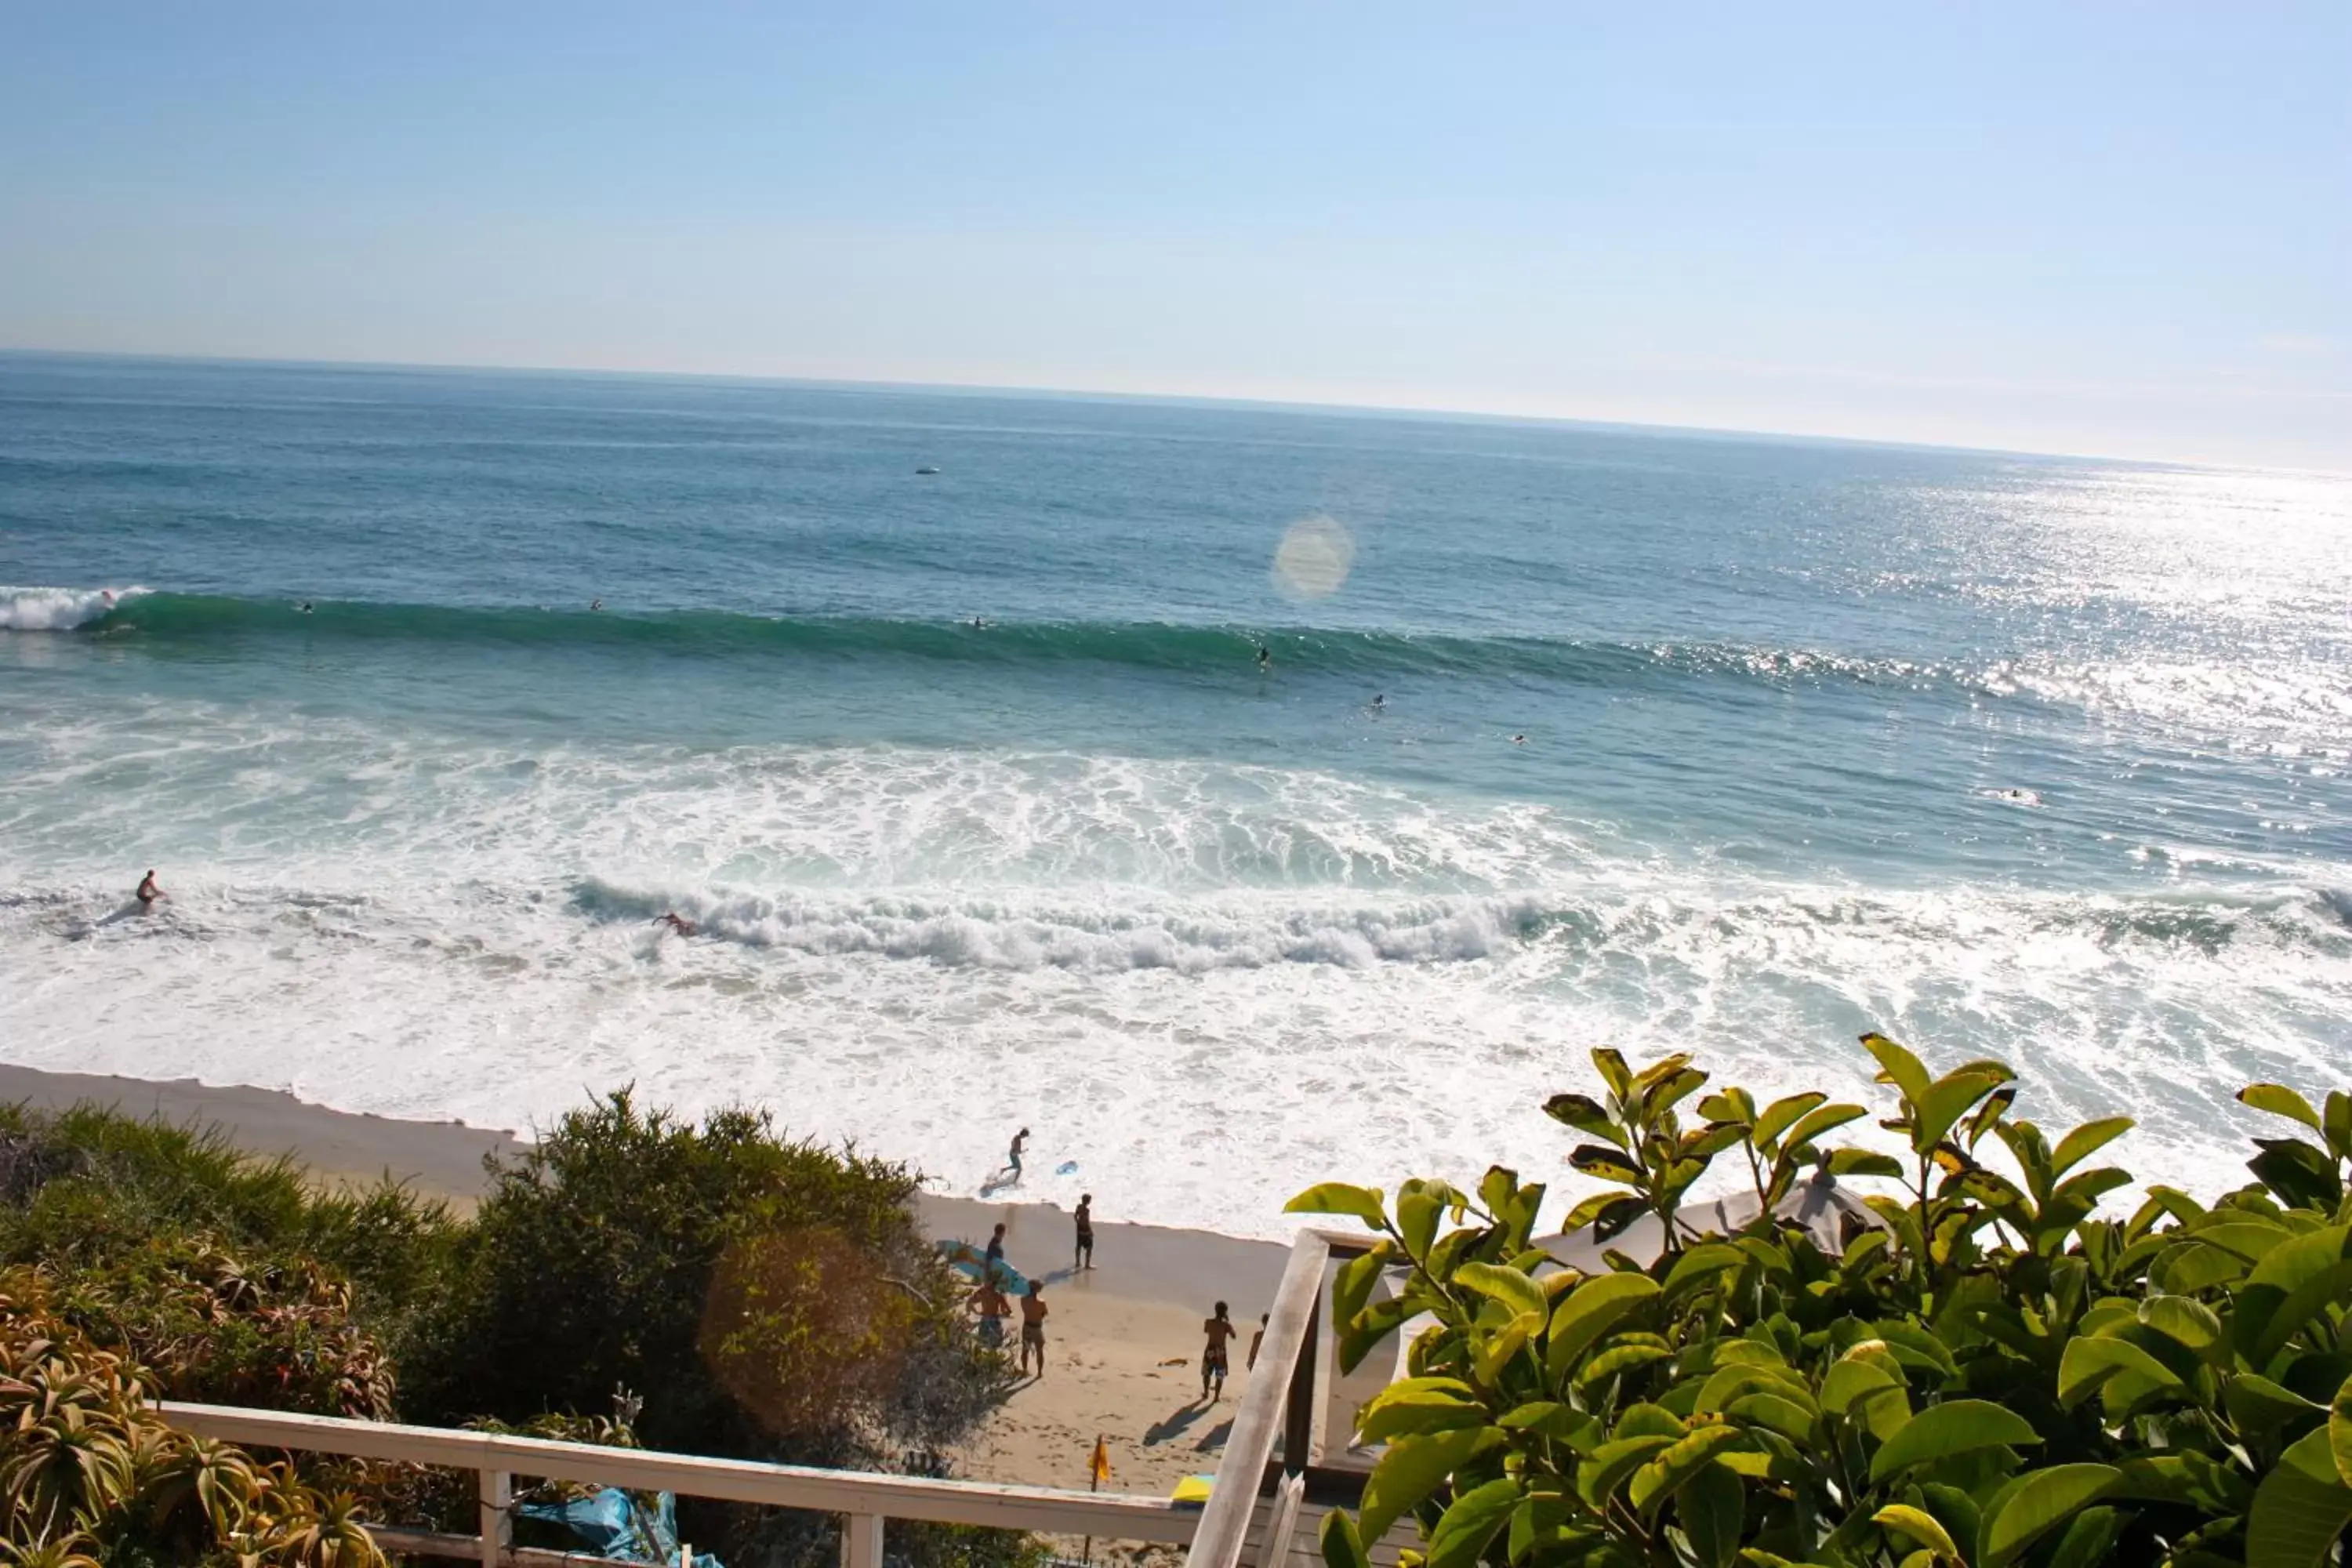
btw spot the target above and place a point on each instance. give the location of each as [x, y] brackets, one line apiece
[993, 1309]
[1033, 1328]
[1086, 1254]
[1221, 1331]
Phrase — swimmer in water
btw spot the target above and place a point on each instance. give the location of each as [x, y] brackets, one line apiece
[675, 921]
[1264, 660]
[150, 892]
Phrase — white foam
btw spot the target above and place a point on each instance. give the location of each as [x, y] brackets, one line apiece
[57, 609]
[1209, 984]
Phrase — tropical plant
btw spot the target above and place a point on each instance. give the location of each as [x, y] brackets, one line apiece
[90, 1473]
[1995, 1374]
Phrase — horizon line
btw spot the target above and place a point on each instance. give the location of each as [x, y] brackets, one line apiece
[1407, 411]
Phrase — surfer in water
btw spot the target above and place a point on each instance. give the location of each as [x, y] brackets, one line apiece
[675, 921]
[150, 892]
[303, 608]
[1012, 1156]
[1264, 659]
[1519, 739]
[1380, 702]
[595, 604]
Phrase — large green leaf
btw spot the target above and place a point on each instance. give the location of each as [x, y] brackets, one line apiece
[2185, 1322]
[1357, 1277]
[2293, 1281]
[2085, 1141]
[1418, 1405]
[1410, 1469]
[1343, 1545]
[1897, 1065]
[1712, 1507]
[1585, 1114]
[2280, 1101]
[1947, 1101]
[2039, 1501]
[1818, 1121]
[1589, 1310]
[1919, 1526]
[1515, 1289]
[1701, 1264]
[1470, 1522]
[1778, 1115]
[2088, 1540]
[1607, 1466]
[1955, 1427]
[2089, 1360]
[1662, 1477]
[1339, 1197]
[2261, 1407]
[2340, 1432]
[2300, 1509]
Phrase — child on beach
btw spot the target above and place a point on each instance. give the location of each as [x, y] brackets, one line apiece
[1221, 1330]
[1033, 1328]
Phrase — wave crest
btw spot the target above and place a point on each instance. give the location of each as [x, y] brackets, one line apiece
[60, 609]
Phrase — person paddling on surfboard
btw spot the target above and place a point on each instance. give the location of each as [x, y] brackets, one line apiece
[149, 891]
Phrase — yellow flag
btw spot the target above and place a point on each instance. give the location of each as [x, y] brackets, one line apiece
[1100, 1465]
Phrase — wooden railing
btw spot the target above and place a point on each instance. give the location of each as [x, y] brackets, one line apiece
[1285, 1394]
[862, 1499]
[1286, 1384]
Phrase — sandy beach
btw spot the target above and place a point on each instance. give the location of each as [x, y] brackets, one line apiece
[1123, 1342]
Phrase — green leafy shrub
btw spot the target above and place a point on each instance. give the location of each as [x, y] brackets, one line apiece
[1994, 1375]
[124, 1207]
[771, 1299]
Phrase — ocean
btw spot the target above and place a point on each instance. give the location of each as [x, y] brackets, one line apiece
[989, 816]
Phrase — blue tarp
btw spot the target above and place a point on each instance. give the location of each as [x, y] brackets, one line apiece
[613, 1527]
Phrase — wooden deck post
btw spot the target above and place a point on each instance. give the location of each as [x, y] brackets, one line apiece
[861, 1541]
[498, 1520]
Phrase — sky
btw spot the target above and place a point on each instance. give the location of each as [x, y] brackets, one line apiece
[2119, 229]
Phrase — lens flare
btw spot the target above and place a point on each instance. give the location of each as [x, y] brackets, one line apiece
[1313, 558]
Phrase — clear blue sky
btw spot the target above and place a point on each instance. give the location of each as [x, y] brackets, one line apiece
[2121, 228]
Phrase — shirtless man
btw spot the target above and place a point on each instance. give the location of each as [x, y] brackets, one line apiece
[993, 1309]
[149, 891]
[1033, 1328]
[1221, 1330]
[1085, 1253]
[676, 922]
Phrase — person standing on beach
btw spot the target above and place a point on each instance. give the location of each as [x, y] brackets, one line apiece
[1033, 1328]
[995, 1255]
[1221, 1331]
[150, 891]
[1257, 1338]
[1085, 1256]
[993, 1309]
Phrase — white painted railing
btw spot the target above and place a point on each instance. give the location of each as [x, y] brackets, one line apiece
[1283, 1393]
[863, 1500]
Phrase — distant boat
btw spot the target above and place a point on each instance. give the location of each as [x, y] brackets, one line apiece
[926, 468]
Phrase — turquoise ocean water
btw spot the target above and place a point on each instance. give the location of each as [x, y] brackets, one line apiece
[2036, 757]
